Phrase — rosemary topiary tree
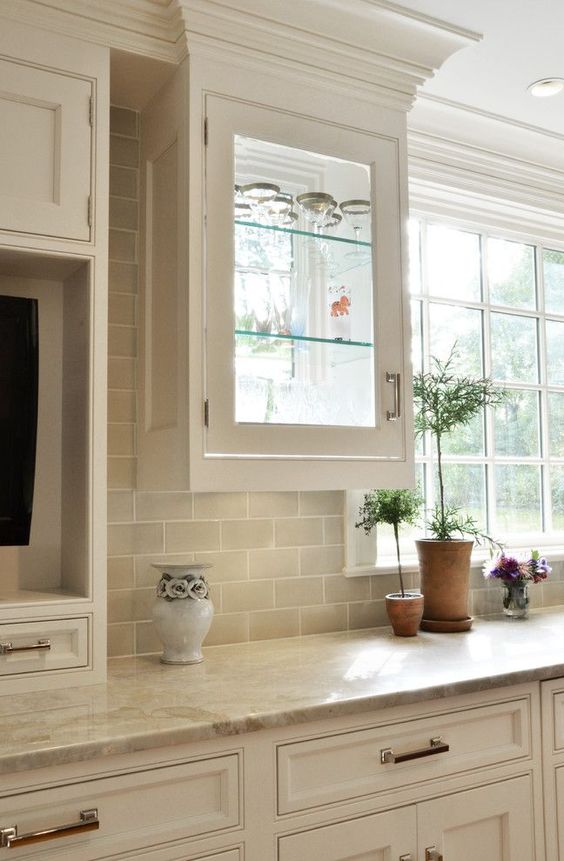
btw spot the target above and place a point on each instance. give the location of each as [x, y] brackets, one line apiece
[394, 507]
[445, 401]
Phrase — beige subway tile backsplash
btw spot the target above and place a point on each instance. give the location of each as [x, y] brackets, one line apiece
[120, 572]
[122, 277]
[155, 505]
[122, 309]
[284, 562]
[321, 502]
[121, 441]
[121, 406]
[340, 589]
[123, 213]
[124, 182]
[321, 620]
[270, 624]
[124, 151]
[247, 534]
[120, 506]
[122, 245]
[121, 372]
[296, 532]
[126, 539]
[121, 472]
[191, 536]
[248, 595]
[124, 121]
[229, 628]
[299, 591]
[277, 504]
[322, 560]
[212, 506]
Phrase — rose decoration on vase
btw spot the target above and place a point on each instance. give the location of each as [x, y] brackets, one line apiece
[516, 576]
[182, 611]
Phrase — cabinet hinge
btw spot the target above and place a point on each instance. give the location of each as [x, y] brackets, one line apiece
[206, 132]
[206, 413]
[89, 210]
[91, 111]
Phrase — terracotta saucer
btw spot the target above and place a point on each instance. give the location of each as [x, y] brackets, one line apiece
[447, 627]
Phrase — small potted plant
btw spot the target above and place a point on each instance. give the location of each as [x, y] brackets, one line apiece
[396, 508]
[516, 577]
[444, 402]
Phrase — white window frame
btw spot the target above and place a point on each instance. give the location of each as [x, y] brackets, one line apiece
[361, 552]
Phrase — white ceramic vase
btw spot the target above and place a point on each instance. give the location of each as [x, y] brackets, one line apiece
[182, 622]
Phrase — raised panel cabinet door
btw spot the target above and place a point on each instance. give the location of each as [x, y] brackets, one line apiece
[492, 823]
[380, 837]
[45, 151]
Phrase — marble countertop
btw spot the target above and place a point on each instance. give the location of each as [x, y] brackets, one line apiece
[251, 686]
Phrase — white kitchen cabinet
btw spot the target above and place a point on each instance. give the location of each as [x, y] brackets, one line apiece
[54, 165]
[493, 823]
[53, 155]
[479, 797]
[377, 837]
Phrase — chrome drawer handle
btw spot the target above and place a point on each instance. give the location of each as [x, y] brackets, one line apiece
[88, 822]
[436, 745]
[433, 854]
[393, 415]
[41, 645]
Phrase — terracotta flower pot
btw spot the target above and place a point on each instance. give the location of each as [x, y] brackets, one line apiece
[445, 578]
[404, 612]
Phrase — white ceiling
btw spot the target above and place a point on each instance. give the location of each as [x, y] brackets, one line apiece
[523, 40]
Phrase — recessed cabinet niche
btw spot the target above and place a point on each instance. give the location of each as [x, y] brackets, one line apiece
[47, 586]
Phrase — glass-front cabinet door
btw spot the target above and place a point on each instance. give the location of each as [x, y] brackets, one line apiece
[304, 345]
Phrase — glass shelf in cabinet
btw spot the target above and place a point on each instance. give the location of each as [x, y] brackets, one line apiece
[293, 231]
[304, 338]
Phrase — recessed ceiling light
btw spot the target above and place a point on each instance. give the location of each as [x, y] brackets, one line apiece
[546, 87]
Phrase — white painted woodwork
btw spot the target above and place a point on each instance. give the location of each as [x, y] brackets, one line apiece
[380, 837]
[163, 325]
[54, 156]
[492, 823]
[552, 701]
[45, 151]
[348, 766]
[136, 810]
[68, 639]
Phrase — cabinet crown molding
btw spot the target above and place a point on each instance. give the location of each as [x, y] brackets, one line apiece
[373, 42]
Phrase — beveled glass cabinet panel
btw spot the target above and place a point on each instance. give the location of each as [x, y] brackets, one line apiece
[304, 339]
[304, 324]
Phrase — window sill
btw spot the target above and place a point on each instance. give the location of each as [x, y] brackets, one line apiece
[410, 565]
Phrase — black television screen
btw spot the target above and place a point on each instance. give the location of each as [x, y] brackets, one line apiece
[19, 358]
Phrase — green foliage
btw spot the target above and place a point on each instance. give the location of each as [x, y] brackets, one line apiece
[444, 402]
[394, 507]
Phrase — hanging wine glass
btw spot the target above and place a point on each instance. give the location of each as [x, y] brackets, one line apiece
[280, 207]
[357, 214]
[259, 195]
[317, 207]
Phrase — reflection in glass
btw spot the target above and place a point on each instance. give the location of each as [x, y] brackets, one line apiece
[453, 263]
[555, 353]
[303, 315]
[514, 348]
[465, 488]
[553, 267]
[466, 440]
[511, 273]
[518, 498]
[557, 494]
[556, 424]
[459, 328]
[517, 424]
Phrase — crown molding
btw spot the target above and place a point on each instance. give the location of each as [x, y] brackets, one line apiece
[372, 45]
[475, 184]
[148, 27]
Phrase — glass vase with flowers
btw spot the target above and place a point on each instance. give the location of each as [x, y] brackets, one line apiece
[516, 576]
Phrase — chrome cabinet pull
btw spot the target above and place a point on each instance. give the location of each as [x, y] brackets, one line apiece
[436, 745]
[408, 857]
[41, 645]
[88, 822]
[433, 854]
[395, 379]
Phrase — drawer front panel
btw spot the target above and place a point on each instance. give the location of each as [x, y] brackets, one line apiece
[63, 645]
[141, 809]
[349, 765]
